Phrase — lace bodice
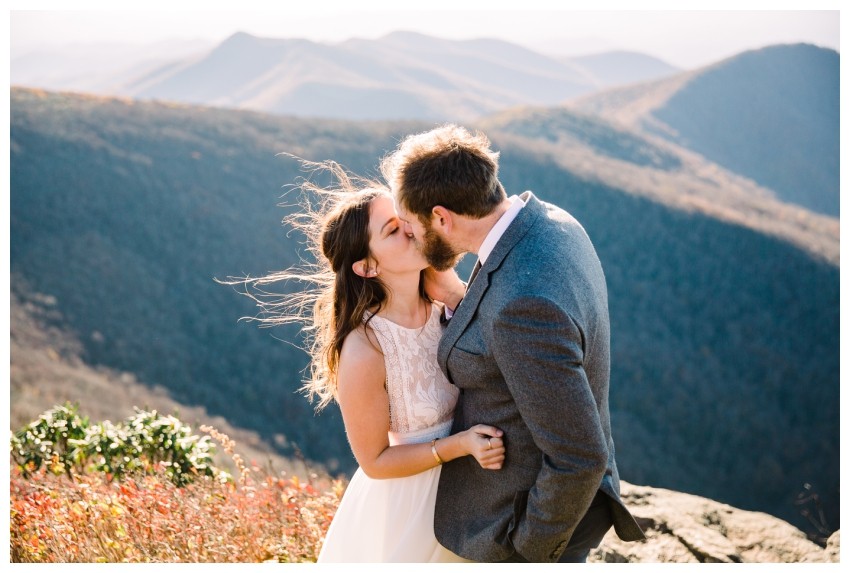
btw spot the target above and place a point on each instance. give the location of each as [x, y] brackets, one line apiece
[421, 398]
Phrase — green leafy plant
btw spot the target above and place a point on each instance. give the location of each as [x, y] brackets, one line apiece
[64, 442]
[51, 439]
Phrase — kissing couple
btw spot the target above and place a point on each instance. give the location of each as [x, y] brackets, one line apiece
[478, 411]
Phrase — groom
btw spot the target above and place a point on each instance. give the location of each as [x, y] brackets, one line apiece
[527, 342]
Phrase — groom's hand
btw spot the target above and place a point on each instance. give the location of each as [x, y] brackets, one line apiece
[444, 286]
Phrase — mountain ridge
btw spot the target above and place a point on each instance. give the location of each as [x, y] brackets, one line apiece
[400, 75]
[768, 114]
[619, 67]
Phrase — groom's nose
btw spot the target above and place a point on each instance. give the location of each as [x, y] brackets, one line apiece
[408, 230]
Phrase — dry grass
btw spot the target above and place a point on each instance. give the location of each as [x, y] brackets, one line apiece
[259, 517]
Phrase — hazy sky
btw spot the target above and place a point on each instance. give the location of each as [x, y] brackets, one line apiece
[684, 38]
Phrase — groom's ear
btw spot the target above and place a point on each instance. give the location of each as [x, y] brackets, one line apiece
[442, 218]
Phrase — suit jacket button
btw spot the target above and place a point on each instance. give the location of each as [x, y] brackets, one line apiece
[560, 549]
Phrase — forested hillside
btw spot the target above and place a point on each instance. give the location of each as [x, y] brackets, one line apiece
[725, 365]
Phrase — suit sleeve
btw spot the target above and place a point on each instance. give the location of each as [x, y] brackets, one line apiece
[539, 350]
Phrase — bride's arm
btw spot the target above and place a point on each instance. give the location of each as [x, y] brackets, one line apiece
[365, 411]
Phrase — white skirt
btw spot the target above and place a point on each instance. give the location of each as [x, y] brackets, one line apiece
[389, 520]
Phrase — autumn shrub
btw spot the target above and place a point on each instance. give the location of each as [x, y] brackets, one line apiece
[147, 517]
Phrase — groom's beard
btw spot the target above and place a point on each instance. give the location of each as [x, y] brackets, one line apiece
[438, 252]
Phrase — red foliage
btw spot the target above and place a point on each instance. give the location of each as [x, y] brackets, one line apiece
[149, 519]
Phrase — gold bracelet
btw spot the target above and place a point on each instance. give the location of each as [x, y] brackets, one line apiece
[434, 451]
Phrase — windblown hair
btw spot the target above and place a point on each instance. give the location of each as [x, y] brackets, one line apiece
[335, 221]
[446, 166]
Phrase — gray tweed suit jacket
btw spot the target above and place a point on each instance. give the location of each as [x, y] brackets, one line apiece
[529, 348]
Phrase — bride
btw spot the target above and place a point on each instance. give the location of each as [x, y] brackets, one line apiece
[374, 345]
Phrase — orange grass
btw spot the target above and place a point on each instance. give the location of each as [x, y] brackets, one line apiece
[149, 519]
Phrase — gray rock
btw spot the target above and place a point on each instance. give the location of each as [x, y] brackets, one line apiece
[684, 528]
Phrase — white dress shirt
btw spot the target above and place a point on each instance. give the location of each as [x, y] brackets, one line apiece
[499, 228]
[496, 232]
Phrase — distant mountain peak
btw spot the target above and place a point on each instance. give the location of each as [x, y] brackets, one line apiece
[770, 114]
[402, 34]
[774, 49]
[237, 36]
[241, 40]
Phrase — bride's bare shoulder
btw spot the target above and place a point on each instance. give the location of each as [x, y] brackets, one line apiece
[361, 351]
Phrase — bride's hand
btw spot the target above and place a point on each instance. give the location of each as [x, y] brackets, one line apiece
[486, 445]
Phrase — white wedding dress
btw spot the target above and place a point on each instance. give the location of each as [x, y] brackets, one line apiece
[392, 520]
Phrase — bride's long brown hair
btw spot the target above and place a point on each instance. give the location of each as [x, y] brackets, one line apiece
[335, 221]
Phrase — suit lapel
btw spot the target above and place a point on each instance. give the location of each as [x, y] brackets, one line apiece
[525, 219]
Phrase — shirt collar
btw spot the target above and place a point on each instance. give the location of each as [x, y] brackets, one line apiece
[499, 228]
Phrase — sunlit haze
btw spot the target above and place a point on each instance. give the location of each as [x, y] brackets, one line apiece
[686, 39]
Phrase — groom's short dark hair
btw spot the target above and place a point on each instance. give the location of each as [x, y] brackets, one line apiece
[446, 166]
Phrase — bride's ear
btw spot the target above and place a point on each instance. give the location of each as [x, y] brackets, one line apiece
[361, 269]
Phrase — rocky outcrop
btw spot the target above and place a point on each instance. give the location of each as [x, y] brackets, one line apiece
[833, 547]
[684, 528]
